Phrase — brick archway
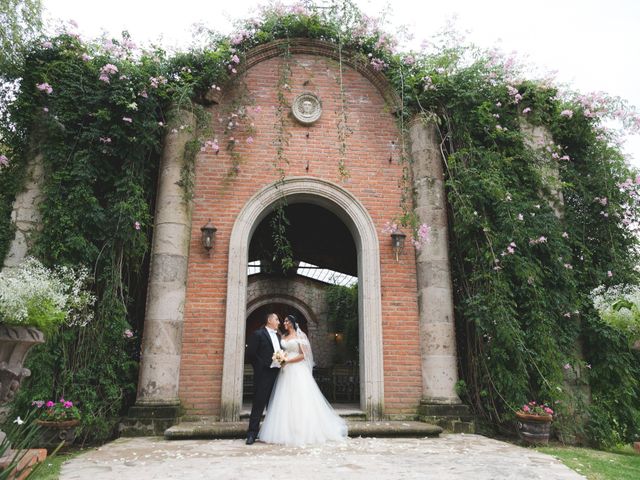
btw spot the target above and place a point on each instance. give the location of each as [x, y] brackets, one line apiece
[346, 207]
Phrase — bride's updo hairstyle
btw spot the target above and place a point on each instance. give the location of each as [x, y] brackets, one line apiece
[293, 320]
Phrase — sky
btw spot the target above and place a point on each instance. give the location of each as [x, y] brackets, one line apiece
[593, 45]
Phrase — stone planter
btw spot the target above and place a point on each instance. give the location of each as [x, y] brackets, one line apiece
[534, 429]
[53, 434]
[15, 343]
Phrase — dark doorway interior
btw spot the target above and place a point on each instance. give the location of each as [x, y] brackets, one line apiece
[319, 238]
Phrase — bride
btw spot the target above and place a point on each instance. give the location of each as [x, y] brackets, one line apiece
[298, 414]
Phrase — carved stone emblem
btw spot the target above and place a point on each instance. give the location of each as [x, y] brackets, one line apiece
[306, 108]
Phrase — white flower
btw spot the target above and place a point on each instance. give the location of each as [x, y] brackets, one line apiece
[19, 421]
[62, 289]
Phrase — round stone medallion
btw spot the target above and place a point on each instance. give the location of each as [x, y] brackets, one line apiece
[307, 108]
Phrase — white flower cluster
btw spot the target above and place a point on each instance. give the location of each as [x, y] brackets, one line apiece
[31, 285]
[619, 306]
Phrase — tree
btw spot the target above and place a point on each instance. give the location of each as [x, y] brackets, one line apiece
[20, 21]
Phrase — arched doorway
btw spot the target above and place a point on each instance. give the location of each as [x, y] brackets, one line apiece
[359, 223]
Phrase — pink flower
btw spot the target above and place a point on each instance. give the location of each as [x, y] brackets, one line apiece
[105, 139]
[4, 161]
[423, 232]
[377, 64]
[45, 87]
[235, 59]
[127, 119]
[136, 225]
[47, 44]
[85, 57]
[127, 333]
[566, 113]
[45, 110]
[567, 366]
[609, 273]
[249, 140]
[49, 404]
[526, 110]
[526, 408]
[548, 410]
[67, 404]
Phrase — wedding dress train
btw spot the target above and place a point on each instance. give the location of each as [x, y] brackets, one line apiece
[298, 414]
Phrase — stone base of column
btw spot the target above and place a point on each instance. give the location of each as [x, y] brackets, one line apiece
[455, 418]
[149, 420]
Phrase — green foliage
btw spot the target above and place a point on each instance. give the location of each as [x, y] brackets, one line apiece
[21, 434]
[56, 411]
[619, 307]
[523, 259]
[20, 21]
[616, 464]
[342, 315]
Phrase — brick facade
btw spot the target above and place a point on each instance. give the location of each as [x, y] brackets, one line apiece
[311, 152]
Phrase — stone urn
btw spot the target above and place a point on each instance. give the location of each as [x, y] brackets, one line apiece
[52, 434]
[15, 343]
[534, 429]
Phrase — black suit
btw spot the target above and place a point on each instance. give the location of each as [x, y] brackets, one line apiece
[260, 352]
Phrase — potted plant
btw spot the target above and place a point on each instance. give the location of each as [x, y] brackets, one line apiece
[34, 301]
[534, 422]
[58, 422]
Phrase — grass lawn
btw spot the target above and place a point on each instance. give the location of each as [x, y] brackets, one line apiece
[618, 464]
[50, 469]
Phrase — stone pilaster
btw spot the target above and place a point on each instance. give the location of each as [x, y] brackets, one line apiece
[25, 215]
[435, 296]
[162, 339]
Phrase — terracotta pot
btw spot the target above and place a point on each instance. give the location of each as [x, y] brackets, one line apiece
[534, 429]
[54, 433]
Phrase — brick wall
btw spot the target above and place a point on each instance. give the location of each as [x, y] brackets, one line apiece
[373, 180]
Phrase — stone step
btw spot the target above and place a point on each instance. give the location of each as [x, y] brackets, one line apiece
[211, 429]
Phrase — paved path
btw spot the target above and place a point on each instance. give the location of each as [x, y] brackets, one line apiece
[448, 457]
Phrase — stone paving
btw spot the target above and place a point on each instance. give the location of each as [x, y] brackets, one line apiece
[452, 456]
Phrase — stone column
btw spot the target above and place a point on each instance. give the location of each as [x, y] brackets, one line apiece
[435, 296]
[162, 341]
[26, 214]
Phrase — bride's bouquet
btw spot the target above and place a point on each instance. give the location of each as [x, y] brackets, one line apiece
[279, 357]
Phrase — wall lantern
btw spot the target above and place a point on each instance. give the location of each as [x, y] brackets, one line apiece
[208, 236]
[397, 243]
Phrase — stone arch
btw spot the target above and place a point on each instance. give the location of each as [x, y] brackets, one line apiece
[286, 300]
[346, 207]
[323, 48]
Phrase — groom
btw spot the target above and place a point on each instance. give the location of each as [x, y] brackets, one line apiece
[261, 347]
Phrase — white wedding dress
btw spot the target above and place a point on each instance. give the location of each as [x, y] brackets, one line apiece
[298, 414]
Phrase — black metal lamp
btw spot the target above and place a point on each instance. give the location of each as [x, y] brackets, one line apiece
[397, 243]
[208, 236]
